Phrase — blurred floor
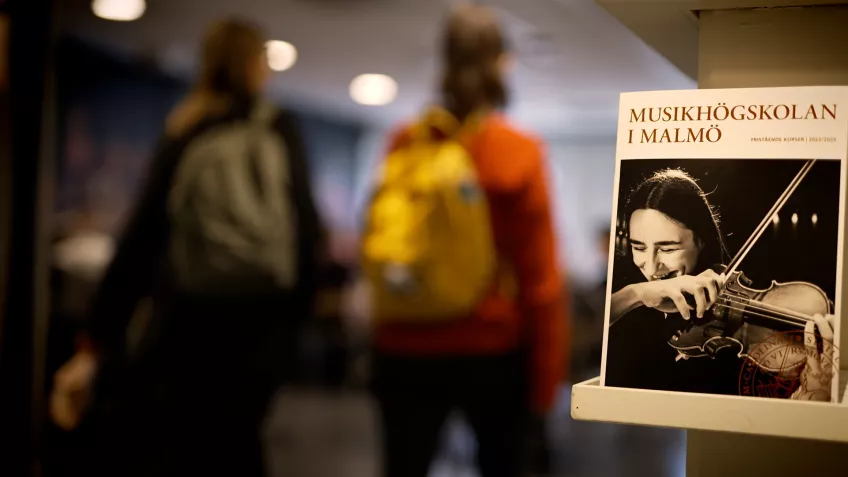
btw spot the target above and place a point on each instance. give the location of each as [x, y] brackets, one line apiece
[313, 433]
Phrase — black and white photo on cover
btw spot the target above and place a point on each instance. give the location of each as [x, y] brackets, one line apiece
[719, 265]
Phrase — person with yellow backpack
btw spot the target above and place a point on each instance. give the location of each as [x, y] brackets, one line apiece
[458, 249]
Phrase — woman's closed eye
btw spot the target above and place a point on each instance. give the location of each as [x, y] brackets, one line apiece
[670, 250]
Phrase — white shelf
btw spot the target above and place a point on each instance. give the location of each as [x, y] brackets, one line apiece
[746, 415]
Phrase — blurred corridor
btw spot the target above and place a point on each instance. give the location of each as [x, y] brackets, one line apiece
[348, 74]
[312, 433]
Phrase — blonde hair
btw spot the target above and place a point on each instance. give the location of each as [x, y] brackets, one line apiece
[230, 47]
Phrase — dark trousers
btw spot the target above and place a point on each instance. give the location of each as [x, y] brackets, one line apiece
[186, 432]
[195, 403]
[416, 395]
[221, 435]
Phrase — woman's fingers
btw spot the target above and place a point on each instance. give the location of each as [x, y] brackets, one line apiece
[810, 334]
[810, 342]
[709, 286]
[700, 294]
[698, 289]
[825, 326]
[713, 283]
[680, 302]
[712, 287]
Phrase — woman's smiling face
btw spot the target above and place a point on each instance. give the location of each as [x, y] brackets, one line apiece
[662, 248]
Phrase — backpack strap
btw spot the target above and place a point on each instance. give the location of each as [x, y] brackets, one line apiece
[263, 112]
[260, 118]
[442, 121]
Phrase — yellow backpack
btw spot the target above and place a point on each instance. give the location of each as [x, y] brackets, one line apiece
[428, 250]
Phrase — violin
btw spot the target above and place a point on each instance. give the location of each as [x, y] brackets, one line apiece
[743, 316]
[778, 308]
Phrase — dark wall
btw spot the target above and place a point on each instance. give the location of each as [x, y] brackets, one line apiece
[333, 148]
[21, 311]
[5, 155]
[111, 112]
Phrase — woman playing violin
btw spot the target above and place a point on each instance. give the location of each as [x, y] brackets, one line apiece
[676, 243]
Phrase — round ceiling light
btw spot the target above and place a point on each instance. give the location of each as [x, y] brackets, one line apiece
[373, 89]
[282, 55]
[119, 10]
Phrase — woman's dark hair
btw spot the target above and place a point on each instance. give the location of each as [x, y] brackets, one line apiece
[678, 196]
[472, 50]
[230, 49]
[229, 46]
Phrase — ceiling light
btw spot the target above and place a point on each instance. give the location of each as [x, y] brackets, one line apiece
[119, 10]
[373, 89]
[281, 55]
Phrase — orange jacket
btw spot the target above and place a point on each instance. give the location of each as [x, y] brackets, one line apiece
[512, 171]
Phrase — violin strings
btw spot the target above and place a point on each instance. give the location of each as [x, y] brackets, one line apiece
[744, 310]
[755, 310]
[771, 308]
[764, 313]
[759, 307]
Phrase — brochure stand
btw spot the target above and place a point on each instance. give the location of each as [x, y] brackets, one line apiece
[738, 43]
[761, 416]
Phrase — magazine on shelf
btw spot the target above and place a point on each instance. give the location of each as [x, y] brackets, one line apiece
[726, 259]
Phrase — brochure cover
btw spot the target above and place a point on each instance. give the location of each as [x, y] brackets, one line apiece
[726, 262]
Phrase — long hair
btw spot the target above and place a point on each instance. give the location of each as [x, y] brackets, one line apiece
[472, 48]
[678, 196]
[228, 54]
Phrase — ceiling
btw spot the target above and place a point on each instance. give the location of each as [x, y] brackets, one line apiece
[672, 26]
[573, 57]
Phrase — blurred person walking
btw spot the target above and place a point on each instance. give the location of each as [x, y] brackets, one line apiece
[225, 240]
[468, 305]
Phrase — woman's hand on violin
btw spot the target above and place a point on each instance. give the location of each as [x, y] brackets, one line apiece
[817, 374]
[669, 295]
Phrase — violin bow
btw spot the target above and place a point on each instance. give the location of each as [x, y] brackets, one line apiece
[781, 201]
[758, 232]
